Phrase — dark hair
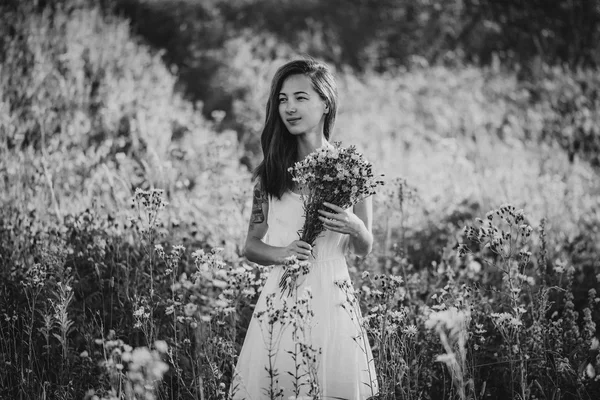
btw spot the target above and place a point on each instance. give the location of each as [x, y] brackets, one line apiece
[280, 148]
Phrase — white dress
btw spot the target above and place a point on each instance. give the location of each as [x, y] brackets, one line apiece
[343, 365]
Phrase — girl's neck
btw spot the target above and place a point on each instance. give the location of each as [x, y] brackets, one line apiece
[308, 143]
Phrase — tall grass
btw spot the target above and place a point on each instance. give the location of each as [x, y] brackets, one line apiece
[123, 212]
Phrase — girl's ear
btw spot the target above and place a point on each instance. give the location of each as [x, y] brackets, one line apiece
[326, 109]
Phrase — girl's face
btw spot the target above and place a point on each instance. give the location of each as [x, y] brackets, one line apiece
[300, 107]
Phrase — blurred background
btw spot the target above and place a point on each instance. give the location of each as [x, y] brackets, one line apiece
[470, 103]
[464, 105]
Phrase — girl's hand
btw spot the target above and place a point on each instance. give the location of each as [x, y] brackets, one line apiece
[298, 248]
[340, 220]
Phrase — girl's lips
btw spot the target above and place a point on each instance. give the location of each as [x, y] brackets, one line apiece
[292, 120]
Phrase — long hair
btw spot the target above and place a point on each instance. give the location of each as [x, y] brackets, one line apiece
[279, 146]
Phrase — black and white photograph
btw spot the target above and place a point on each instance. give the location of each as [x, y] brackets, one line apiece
[299, 200]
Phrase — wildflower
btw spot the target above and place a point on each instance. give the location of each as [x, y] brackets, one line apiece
[479, 329]
[559, 269]
[219, 283]
[515, 322]
[590, 371]
[161, 346]
[220, 303]
[179, 248]
[158, 369]
[410, 331]
[228, 310]
[530, 281]
[474, 267]
[141, 356]
[190, 309]
[198, 254]
[453, 319]
[217, 250]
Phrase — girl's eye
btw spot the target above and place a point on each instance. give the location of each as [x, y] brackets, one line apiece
[302, 98]
[281, 100]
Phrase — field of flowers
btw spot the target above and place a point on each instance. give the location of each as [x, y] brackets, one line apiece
[123, 212]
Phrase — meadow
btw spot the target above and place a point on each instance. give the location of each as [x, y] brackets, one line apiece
[124, 207]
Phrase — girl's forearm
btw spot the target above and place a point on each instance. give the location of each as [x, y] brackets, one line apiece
[362, 241]
[261, 253]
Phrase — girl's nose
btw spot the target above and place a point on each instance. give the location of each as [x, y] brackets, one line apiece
[290, 108]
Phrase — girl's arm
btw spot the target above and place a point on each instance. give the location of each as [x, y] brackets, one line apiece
[362, 238]
[357, 224]
[258, 251]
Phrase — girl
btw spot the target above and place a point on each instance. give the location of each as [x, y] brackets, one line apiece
[300, 116]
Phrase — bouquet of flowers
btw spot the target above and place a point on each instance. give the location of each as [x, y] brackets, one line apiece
[336, 175]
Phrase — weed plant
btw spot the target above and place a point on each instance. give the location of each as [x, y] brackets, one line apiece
[123, 210]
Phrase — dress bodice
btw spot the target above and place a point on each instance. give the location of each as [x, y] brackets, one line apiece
[286, 218]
